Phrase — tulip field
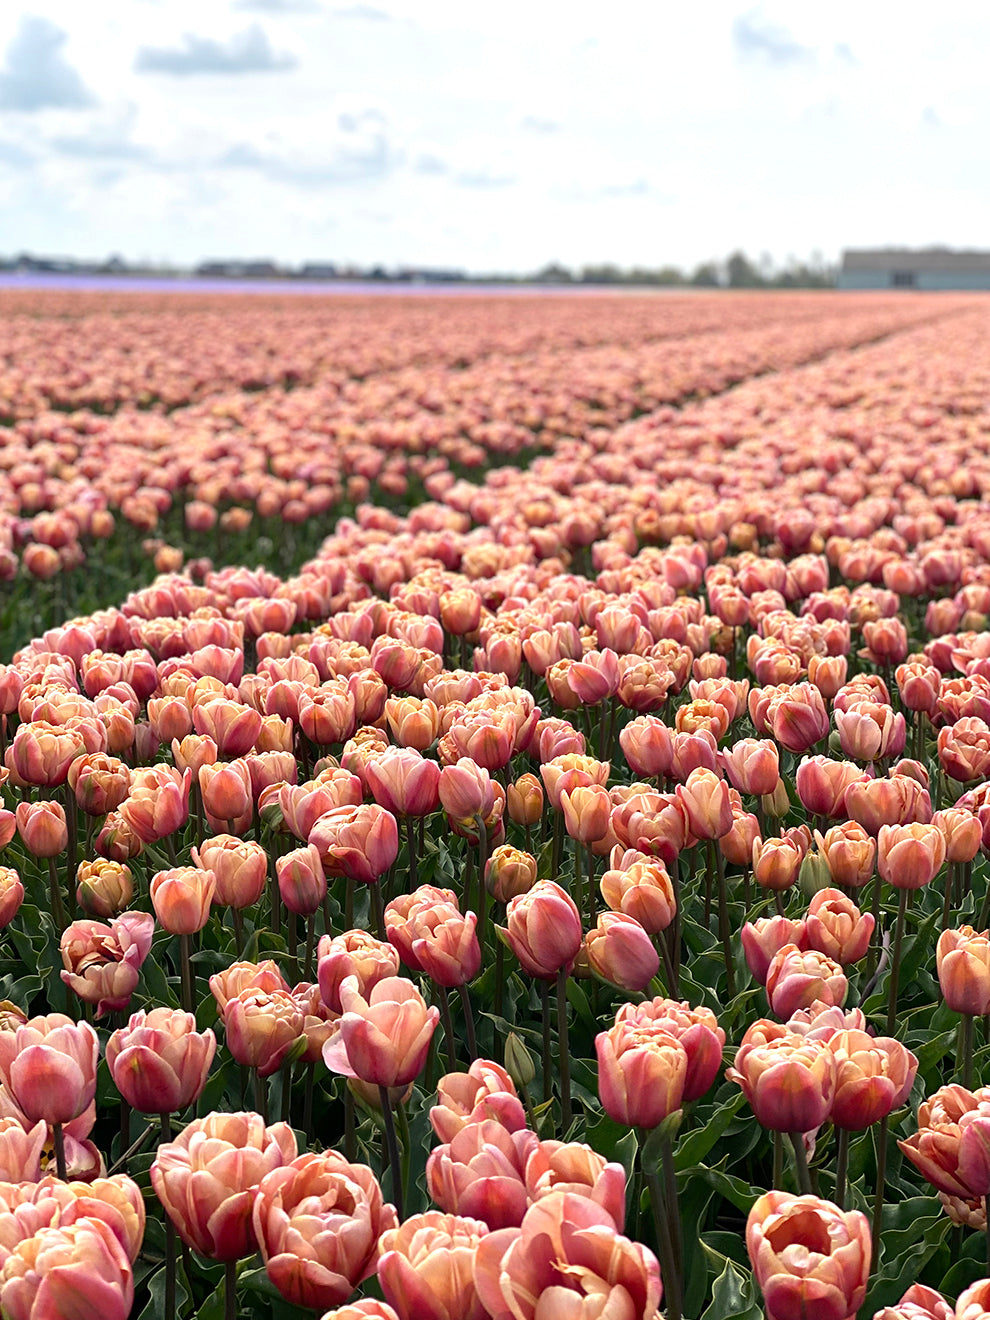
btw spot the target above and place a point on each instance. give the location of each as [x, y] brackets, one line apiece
[494, 806]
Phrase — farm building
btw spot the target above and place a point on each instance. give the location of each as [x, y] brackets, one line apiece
[913, 268]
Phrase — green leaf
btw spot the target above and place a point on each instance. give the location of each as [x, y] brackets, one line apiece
[693, 1148]
[734, 1295]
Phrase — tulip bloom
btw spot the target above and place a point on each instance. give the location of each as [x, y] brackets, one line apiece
[301, 880]
[797, 978]
[355, 953]
[207, 1179]
[359, 842]
[621, 952]
[384, 1039]
[510, 871]
[159, 1062]
[952, 1144]
[481, 1173]
[836, 927]
[849, 853]
[181, 898]
[566, 1253]
[909, 856]
[808, 1256]
[427, 1267]
[642, 1069]
[80, 1269]
[103, 887]
[644, 891]
[48, 1067]
[102, 963]
[263, 1028]
[788, 1079]
[963, 960]
[240, 868]
[317, 1221]
[763, 938]
[42, 828]
[543, 930]
[485, 1091]
[873, 1077]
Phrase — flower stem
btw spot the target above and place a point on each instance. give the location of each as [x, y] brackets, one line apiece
[800, 1163]
[564, 1053]
[56, 893]
[392, 1147]
[376, 895]
[880, 1134]
[59, 1141]
[472, 1042]
[169, 1239]
[966, 1052]
[187, 975]
[841, 1168]
[716, 860]
[230, 1291]
[661, 1223]
[673, 1211]
[895, 966]
[547, 1048]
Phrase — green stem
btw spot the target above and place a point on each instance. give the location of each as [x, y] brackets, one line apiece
[877, 936]
[716, 859]
[841, 1168]
[188, 994]
[448, 1029]
[310, 937]
[55, 889]
[564, 1054]
[472, 1042]
[673, 1211]
[895, 967]
[411, 851]
[665, 1247]
[376, 895]
[778, 1161]
[169, 1240]
[880, 1136]
[800, 1163]
[392, 1148]
[547, 1047]
[59, 1142]
[230, 1291]
[966, 1052]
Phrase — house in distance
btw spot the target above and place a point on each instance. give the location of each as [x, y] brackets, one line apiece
[913, 268]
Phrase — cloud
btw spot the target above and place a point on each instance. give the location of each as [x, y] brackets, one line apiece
[35, 76]
[245, 52]
[357, 147]
[364, 13]
[756, 37]
[11, 153]
[537, 124]
[278, 6]
[105, 141]
[429, 162]
[483, 179]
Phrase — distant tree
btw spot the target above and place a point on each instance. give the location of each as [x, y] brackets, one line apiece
[742, 274]
[706, 276]
[554, 273]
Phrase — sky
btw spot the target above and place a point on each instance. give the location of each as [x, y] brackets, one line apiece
[490, 138]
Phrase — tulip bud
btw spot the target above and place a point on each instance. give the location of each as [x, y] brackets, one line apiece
[518, 1061]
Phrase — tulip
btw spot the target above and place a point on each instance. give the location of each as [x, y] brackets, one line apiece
[764, 938]
[385, 1038]
[240, 868]
[264, 1029]
[207, 1179]
[370, 1308]
[159, 1062]
[100, 782]
[226, 791]
[103, 888]
[404, 782]
[909, 856]
[427, 1269]
[642, 1069]
[42, 828]
[644, 891]
[873, 1077]
[707, 805]
[355, 953]
[849, 853]
[963, 961]
[753, 765]
[102, 963]
[571, 1166]
[11, 895]
[481, 1173]
[524, 800]
[80, 1269]
[20, 1150]
[836, 927]
[776, 863]
[697, 1031]
[158, 802]
[181, 898]
[485, 1091]
[952, 1142]
[48, 1067]
[302, 883]
[543, 930]
[789, 1080]
[808, 1256]
[570, 1245]
[359, 842]
[621, 952]
[509, 872]
[796, 978]
[317, 1221]
[822, 784]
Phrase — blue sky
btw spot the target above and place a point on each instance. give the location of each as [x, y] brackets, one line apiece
[490, 137]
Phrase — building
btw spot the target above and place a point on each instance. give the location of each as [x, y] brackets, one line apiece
[914, 268]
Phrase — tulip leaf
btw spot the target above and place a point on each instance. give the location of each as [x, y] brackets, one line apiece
[578, 1000]
[740, 1193]
[693, 1148]
[733, 1295]
[156, 1286]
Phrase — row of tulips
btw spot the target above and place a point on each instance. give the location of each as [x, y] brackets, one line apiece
[412, 805]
